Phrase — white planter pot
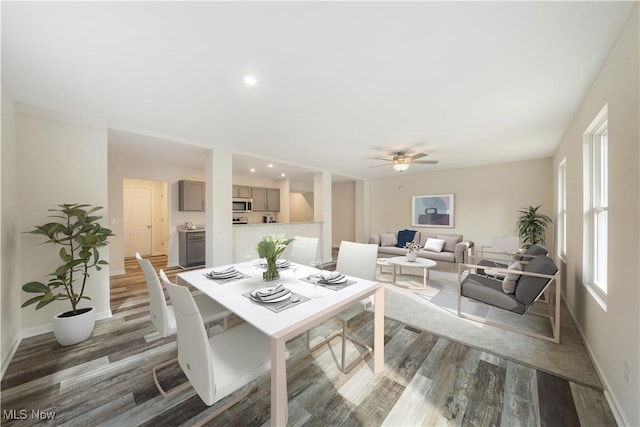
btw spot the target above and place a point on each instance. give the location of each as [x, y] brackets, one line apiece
[412, 256]
[74, 329]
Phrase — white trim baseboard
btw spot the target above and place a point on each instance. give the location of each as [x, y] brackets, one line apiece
[618, 414]
[12, 352]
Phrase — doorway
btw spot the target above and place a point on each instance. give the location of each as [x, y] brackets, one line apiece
[145, 222]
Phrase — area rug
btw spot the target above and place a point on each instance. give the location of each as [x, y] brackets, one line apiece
[434, 309]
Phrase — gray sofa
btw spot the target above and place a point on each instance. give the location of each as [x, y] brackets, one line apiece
[455, 247]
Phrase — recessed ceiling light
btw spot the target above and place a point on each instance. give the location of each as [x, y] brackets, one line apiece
[283, 175]
[270, 165]
[252, 170]
[250, 80]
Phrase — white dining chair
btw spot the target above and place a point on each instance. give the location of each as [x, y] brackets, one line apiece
[222, 364]
[304, 250]
[357, 260]
[163, 316]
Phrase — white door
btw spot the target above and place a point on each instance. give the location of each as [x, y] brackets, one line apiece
[137, 221]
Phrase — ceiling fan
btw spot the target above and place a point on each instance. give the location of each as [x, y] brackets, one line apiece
[401, 161]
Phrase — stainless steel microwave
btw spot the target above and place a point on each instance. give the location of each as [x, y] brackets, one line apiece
[242, 205]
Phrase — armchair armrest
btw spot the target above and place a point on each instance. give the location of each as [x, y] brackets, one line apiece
[461, 250]
[375, 240]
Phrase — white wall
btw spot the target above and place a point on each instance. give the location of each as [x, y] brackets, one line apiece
[10, 299]
[61, 159]
[612, 336]
[343, 212]
[301, 207]
[487, 198]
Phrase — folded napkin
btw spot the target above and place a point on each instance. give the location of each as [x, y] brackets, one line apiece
[332, 278]
[268, 294]
[227, 273]
[328, 275]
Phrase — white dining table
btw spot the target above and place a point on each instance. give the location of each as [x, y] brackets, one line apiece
[287, 324]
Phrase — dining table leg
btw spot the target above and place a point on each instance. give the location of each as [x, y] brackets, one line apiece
[378, 331]
[279, 399]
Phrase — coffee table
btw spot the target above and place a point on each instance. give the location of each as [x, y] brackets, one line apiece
[401, 261]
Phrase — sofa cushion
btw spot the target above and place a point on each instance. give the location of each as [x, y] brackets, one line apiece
[434, 245]
[405, 236]
[450, 242]
[388, 239]
[511, 279]
[485, 289]
[535, 250]
[529, 287]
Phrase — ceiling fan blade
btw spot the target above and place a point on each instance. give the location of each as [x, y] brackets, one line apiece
[418, 155]
[377, 166]
[425, 162]
[386, 159]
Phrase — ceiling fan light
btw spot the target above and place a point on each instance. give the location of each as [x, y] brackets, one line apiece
[401, 167]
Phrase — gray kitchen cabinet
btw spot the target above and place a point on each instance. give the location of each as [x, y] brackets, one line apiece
[273, 200]
[265, 199]
[190, 195]
[242, 191]
[191, 248]
[259, 198]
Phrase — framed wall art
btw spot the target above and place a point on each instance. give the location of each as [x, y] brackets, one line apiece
[432, 211]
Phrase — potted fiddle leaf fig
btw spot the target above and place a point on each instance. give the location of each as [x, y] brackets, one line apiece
[78, 234]
[532, 226]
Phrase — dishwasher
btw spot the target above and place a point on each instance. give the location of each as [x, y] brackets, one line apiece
[191, 249]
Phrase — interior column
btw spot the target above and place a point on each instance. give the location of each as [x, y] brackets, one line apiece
[219, 231]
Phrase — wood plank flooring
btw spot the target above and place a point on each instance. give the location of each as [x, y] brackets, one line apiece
[428, 380]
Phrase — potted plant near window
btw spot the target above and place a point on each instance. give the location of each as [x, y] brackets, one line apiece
[79, 236]
[532, 226]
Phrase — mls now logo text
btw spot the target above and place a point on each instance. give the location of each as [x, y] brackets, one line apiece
[23, 414]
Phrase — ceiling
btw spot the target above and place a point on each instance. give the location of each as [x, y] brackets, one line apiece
[469, 83]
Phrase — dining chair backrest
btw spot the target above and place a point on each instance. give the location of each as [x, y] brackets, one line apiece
[194, 353]
[357, 259]
[158, 309]
[304, 250]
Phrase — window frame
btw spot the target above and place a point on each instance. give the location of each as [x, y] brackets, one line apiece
[562, 210]
[596, 209]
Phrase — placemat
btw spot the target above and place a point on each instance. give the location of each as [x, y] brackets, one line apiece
[277, 307]
[336, 287]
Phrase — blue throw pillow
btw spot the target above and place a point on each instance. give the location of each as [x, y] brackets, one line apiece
[405, 236]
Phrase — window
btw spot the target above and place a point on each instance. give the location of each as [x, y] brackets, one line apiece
[561, 221]
[596, 193]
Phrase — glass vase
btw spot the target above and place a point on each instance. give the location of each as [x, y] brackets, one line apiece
[272, 271]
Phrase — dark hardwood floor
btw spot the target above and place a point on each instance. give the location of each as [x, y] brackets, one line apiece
[428, 380]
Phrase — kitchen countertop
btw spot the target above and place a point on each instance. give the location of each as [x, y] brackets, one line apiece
[251, 224]
[183, 229]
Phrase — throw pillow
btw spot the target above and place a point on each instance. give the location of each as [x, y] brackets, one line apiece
[388, 239]
[434, 245]
[405, 236]
[511, 279]
[518, 255]
[450, 242]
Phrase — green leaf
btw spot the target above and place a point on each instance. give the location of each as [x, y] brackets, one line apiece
[31, 301]
[35, 287]
[64, 255]
[43, 303]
